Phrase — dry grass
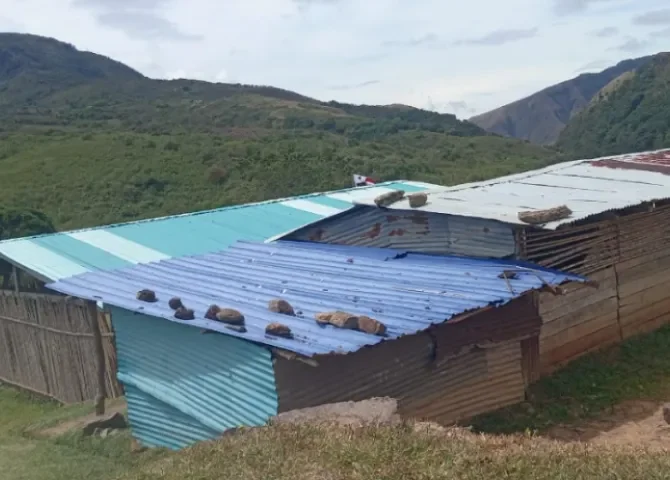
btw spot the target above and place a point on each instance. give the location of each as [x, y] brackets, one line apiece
[398, 452]
[589, 388]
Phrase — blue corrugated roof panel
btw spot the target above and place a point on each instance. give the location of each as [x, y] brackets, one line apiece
[61, 255]
[408, 292]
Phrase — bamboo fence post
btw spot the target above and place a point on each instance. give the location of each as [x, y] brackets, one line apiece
[100, 358]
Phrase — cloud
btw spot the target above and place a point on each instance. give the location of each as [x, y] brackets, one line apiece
[140, 19]
[657, 17]
[8, 25]
[460, 107]
[661, 33]
[571, 7]
[146, 26]
[594, 65]
[222, 75]
[631, 45]
[121, 4]
[412, 42]
[303, 5]
[354, 86]
[606, 32]
[500, 37]
[339, 43]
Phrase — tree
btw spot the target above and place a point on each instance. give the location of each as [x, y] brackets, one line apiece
[15, 223]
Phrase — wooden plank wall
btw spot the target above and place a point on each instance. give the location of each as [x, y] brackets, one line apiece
[643, 271]
[47, 347]
[632, 297]
[582, 320]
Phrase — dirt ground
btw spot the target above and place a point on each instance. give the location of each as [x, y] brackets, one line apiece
[631, 423]
[117, 405]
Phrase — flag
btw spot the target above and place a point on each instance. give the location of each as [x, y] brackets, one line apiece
[362, 180]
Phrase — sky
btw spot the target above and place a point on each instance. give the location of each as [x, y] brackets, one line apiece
[457, 56]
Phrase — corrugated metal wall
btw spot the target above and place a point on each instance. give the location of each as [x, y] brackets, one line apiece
[183, 386]
[427, 383]
[414, 231]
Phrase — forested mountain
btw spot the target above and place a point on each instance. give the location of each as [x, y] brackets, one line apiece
[88, 141]
[541, 117]
[631, 114]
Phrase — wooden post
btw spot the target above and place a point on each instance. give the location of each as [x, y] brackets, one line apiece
[100, 358]
[15, 278]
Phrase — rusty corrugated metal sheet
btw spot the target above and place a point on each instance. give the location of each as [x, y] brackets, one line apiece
[587, 187]
[517, 320]
[426, 385]
[414, 231]
[462, 395]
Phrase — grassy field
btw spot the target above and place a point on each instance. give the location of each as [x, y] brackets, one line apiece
[24, 455]
[588, 389]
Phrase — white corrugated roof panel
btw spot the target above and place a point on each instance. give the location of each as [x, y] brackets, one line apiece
[587, 187]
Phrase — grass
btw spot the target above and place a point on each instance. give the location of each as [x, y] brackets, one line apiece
[25, 456]
[398, 452]
[637, 370]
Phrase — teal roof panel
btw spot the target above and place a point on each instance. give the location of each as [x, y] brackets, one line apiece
[61, 255]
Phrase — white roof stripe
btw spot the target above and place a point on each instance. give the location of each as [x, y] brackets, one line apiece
[419, 184]
[35, 258]
[118, 246]
[364, 193]
[312, 207]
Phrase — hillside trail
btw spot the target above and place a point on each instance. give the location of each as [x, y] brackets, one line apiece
[636, 422]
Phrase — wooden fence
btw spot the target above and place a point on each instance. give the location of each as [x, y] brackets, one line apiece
[48, 346]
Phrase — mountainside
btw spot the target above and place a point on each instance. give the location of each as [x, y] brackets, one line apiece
[88, 140]
[541, 117]
[631, 114]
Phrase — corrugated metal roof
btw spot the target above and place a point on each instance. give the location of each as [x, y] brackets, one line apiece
[419, 232]
[61, 255]
[587, 187]
[408, 292]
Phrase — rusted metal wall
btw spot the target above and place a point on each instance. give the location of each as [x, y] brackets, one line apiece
[414, 231]
[432, 376]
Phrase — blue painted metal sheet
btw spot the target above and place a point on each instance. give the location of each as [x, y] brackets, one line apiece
[408, 292]
[61, 255]
[183, 387]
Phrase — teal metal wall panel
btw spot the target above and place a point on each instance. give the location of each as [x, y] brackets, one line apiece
[157, 424]
[183, 386]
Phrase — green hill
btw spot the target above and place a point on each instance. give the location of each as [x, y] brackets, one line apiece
[88, 140]
[541, 117]
[631, 114]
